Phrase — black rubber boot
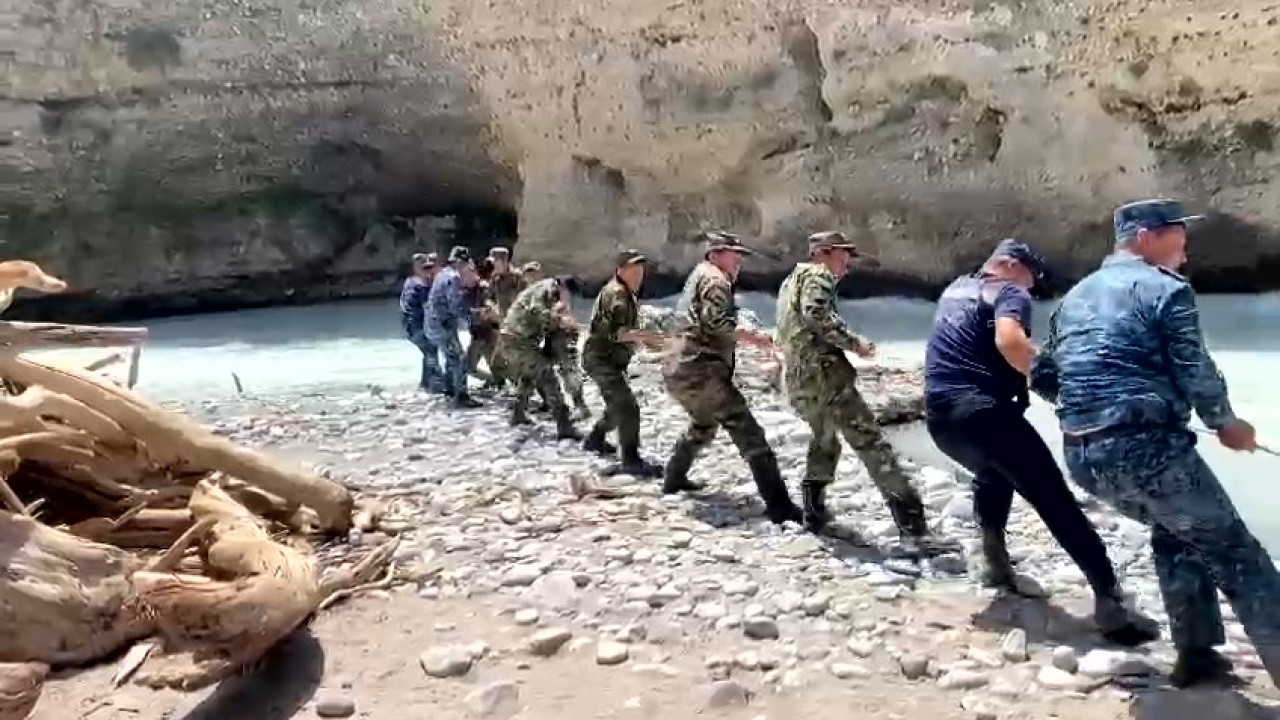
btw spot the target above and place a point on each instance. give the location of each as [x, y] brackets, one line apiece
[1122, 626]
[565, 429]
[633, 464]
[676, 474]
[597, 443]
[816, 515]
[778, 506]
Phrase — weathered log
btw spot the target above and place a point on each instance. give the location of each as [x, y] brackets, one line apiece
[20, 686]
[36, 402]
[173, 439]
[67, 600]
[211, 629]
[23, 336]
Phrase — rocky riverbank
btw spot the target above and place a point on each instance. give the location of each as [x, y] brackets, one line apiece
[529, 587]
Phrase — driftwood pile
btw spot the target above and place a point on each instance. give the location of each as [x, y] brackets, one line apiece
[123, 522]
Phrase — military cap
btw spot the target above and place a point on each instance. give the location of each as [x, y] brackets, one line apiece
[714, 240]
[630, 257]
[1132, 217]
[459, 254]
[1015, 249]
[425, 260]
[830, 240]
[498, 251]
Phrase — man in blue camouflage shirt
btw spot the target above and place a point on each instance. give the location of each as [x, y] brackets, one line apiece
[447, 313]
[413, 318]
[1127, 364]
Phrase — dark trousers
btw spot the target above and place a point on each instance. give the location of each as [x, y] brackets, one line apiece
[1006, 455]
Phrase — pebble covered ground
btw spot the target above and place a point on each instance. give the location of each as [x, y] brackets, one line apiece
[529, 586]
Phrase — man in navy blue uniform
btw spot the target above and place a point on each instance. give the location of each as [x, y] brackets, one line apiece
[413, 317]
[976, 390]
[448, 313]
[1126, 363]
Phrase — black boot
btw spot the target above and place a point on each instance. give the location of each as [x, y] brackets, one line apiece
[597, 443]
[1122, 626]
[676, 475]
[778, 506]
[633, 464]
[464, 401]
[998, 569]
[1201, 666]
[519, 416]
[564, 425]
[816, 515]
[908, 514]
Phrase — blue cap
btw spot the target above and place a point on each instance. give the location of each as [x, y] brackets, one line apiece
[1022, 252]
[1149, 215]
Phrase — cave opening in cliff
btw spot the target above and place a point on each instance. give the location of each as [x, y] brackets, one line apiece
[475, 228]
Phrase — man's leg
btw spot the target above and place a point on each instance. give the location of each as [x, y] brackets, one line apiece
[430, 377]
[568, 368]
[820, 464]
[456, 370]
[861, 430]
[1198, 539]
[734, 415]
[686, 388]
[597, 441]
[544, 378]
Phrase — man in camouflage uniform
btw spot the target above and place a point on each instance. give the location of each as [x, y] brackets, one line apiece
[539, 311]
[413, 317]
[1127, 364]
[822, 386]
[485, 321]
[605, 355]
[504, 284]
[562, 348]
[698, 373]
[447, 313]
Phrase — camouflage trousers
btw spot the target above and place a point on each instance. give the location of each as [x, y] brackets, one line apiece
[531, 368]
[563, 348]
[1199, 541]
[705, 389]
[826, 397]
[484, 345]
[621, 411]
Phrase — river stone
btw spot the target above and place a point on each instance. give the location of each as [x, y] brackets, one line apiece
[334, 705]
[914, 667]
[846, 671]
[727, 694]
[546, 643]
[1013, 646]
[445, 662]
[760, 628]
[962, 680]
[521, 575]
[611, 653]
[1057, 679]
[1064, 658]
[498, 700]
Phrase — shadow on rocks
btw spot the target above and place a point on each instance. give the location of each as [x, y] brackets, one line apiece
[1200, 704]
[277, 690]
[1042, 621]
[720, 510]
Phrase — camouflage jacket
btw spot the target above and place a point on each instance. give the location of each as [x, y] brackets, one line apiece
[809, 326]
[504, 288]
[536, 313]
[615, 310]
[447, 309]
[413, 305]
[707, 317]
[1125, 350]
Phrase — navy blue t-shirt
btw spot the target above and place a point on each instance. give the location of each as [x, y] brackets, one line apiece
[963, 367]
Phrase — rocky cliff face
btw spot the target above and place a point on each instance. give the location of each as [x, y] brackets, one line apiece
[171, 154]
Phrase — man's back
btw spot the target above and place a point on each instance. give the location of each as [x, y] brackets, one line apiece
[444, 299]
[1110, 346]
[707, 316]
[532, 315]
[963, 366]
